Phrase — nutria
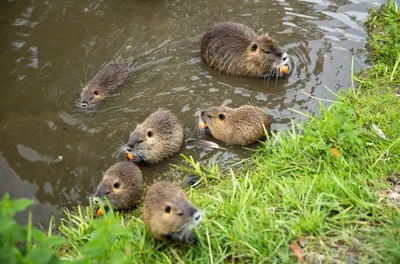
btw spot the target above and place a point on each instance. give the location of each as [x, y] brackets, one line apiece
[236, 49]
[122, 185]
[109, 78]
[158, 137]
[168, 214]
[235, 126]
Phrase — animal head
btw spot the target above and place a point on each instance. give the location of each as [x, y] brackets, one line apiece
[217, 121]
[91, 95]
[177, 214]
[121, 185]
[264, 57]
[158, 137]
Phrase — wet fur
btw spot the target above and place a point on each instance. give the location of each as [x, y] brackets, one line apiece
[109, 78]
[226, 47]
[166, 140]
[129, 193]
[241, 126]
[162, 225]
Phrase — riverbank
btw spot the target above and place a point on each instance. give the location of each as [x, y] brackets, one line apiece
[321, 189]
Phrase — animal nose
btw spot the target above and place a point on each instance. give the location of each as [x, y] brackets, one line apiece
[129, 147]
[84, 104]
[202, 113]
[197, 216]
[284, 57]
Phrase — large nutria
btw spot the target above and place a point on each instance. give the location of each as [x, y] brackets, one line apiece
[168, 214]
[109, 78]
[236, 49]
[235, 126]
[122, 185]
[158, 137]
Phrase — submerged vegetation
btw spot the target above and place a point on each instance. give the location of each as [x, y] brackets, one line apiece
[318, 192]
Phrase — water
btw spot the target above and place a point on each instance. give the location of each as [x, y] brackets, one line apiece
[50, 49]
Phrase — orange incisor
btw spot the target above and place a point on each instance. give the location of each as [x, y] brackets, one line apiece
[130, 156]
[100, 212]
[285, 69]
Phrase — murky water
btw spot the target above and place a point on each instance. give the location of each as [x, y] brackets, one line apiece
[50, 49]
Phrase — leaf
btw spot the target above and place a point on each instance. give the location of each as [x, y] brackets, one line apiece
[55, 241]
[119, 257]
[39, 256]
[379, 131]
[6, 224]
[335, 152]
[298, 251]
[7, 255]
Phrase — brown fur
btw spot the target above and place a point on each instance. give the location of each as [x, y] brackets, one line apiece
[158, 137]
[109, 78]
[236, 49]
[235, 126]
[129, 192]
[175, 222]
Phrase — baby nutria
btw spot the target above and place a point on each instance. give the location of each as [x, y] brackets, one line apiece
[235, 126]
[122, 185]
[168, 214]
[236, 49]
[109, 78]
[158, 137]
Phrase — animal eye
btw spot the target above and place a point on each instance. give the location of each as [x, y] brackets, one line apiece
[221, 116]
[116, 185]
[167, 209]
[96, 92]
[150, 133]
[254, 47]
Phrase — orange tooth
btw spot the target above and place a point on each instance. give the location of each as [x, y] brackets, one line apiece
[99, 212]
[130, 156]
[285, 69]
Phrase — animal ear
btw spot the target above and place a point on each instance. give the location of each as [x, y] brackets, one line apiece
[149, 133]
[221, 116]
[254, 47]
[167, 209]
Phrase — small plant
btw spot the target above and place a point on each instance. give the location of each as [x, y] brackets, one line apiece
[24, 244]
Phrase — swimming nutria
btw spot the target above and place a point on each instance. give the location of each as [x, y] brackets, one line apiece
[109, 78]
[168, 213]
[158, 137]
[236, 49]
[122, 185]
[235, 126]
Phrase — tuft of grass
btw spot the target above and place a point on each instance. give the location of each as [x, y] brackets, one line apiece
[320, 185]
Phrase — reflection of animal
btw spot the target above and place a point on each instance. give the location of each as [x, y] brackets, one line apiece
[235, 126]
[235, 49]
[109, 78]
[168, 214]
[122, 185]
[158, 137]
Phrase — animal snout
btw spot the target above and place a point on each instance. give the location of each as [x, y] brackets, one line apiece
[102, 191]
[84, 104]
[285, 57]
[196, 216]
[129, 147]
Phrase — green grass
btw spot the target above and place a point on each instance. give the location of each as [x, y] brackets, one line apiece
[294, 189]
